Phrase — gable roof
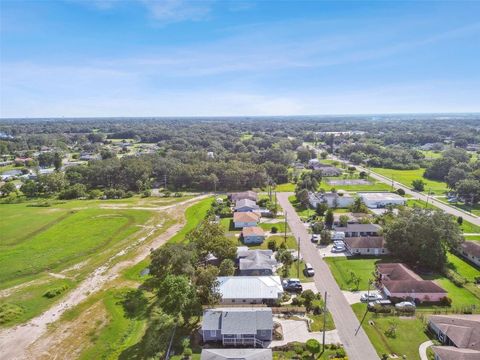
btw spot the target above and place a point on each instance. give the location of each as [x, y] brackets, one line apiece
[245, 251]
[250, 287]
[471, 247]
[236, 354]
[237, 320]
[359, 228]
[245, 217]
[462, 330]
[377, 242]
[252, 195]
[253, 231]
[246, 203]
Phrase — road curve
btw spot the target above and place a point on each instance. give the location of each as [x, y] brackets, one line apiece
[357, 344]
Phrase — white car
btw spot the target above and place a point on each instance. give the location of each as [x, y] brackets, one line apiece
[309, 270]
[315, 238]
[405, 305]
[370, 297]
[338, 249]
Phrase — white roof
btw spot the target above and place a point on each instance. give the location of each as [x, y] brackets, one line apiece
[250, 287]
[377, 196]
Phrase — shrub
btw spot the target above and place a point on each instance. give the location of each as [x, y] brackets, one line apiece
[187, 353]
[272, 245]
[446, 301]
[274, 229]
[9, 312]
[455, 278]
[51, 293]
[401, 192]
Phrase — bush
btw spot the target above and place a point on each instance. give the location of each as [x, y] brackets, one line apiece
[446, 301]
[178, 195]
[272, 245]
[187, 353]
[9, 312]
[274, 230]
[401, 192]
[114, 193]
[146, 193]
[51, 293]
[455, 278]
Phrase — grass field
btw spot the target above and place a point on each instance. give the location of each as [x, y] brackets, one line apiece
[430, 154]
[286, 187]
[300, 210]
[463, 268]
[342, 268]
[374, 186]
[406, 177]
[410, 333]
[194, 215]
[47, 248]
[279, 239]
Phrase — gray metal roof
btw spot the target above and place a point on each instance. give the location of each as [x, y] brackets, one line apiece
[246, 202]
[250, 287]
[238, 320]
[256, 260]
[236, 354]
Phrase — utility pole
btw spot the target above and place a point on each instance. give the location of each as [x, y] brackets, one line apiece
[298, 258]
[167, 355]
[324, 319]
[285, 229]
[165, 182]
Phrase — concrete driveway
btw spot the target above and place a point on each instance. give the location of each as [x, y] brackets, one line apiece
[326, 251]
[353, 297]
[297, 330]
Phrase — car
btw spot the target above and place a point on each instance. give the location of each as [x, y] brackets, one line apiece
[338, 249]
[338, 243]
[309, 271]
[370, 297]
[379, 303]
[292, 285]
[405, 305]
[315, 238]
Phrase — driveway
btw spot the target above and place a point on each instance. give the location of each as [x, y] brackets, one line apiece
[353, 297]
[422, 350]
[297, 330]
[357, 344]
[326, 251]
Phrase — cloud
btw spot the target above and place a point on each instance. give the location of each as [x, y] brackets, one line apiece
[171, 11]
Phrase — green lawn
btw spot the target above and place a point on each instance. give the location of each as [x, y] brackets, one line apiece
[406, 177]
[279, 225]
[463, 268]
[410, 333]
[374, 186]
[279, 239]
[294, 273]
[286, 187]
[460, 296]
[468, 227]
[430, 154]
[420, 203]
[317, 322]
[342, 267]
[301, 211]
[194, 215]
[472, 237]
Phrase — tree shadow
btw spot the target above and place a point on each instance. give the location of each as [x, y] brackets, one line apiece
[135, 304]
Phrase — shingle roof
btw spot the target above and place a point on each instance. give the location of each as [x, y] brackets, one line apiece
[398, 278]
[471, 247]
[245, 251]
[237, 320]
[359, 228]
[453, 353]
[252, 195]
[365, 242]
[257, 260]
[463, 330]
[245, 217]
[253, 231]
[246, 203]
[236, 354]
[250, 287]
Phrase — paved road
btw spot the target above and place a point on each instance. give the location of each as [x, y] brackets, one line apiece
[357, 345]
[448, 209]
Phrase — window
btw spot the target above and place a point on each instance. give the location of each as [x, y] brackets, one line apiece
[233, 300]
[213, 333]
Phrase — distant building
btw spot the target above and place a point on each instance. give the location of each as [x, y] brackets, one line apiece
[359, 230]
[236, 354]
[245, 205]
[470, 250]
[253, 235]
[398, 281]
[250, 195]
[238, 326]
[250, 289]
[332, 199]
[459, 333]
[245, 219]
[372, 245]
[381, 199]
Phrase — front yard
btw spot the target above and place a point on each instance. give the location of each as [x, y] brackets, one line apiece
[342, 268]
[409, 334]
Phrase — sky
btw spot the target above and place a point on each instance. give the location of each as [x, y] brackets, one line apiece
[91, 58]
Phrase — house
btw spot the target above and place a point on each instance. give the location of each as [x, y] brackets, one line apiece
[470, 250]
[238, 326]
[250, 289]
[236, 354]
[353, 218]
[359, 230]
[250, 195]
[332, 199]
[245, 205]
[398, 281]
[245, 219]
[370, 245]
[376, 200]
[330, 171]
[256, 263]
[253, 235]
[459, 333]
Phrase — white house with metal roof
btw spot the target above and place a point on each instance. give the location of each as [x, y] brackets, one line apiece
[250, 289]
[376, 200]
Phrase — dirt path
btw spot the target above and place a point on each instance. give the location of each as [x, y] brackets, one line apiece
[15, 341]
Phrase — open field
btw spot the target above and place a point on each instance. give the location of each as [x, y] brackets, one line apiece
[410, 333]
[287, 187]
[64, 243]
[279, 239]
[374, 186]
[431, 154]
[406, 177]
[194, 216]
